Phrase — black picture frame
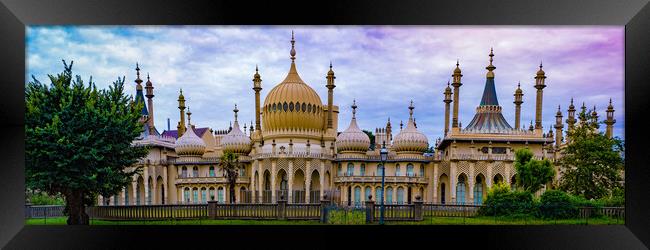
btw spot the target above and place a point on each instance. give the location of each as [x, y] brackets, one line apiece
[633, 14]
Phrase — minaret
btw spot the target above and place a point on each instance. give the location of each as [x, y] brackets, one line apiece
[330, 96]
[257, 86]
[389, 132]
[189, 117]
[149, 88]
[518, 101]
[181, 107]
[139, 97]
[610, 120]
[456, 84]
[447, 101]
[571, 120]
[594, 115]
[539, 85]
[558, 127]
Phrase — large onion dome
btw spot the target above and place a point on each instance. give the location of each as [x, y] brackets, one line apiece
[353, 139]
[292, 104]
[236, 141]
[410, 140]
[189, 144]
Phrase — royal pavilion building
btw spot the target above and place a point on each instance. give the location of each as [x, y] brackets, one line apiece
[295, 151]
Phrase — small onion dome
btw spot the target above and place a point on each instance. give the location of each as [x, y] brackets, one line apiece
[410, 140]
[189, 144]
[518, 90]
[457, 70]
[540, 72]
[236, 141]
[353, 139]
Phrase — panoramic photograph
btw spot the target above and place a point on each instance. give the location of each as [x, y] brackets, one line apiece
[324, 125]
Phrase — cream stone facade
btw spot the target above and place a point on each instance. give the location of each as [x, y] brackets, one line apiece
[295, 152]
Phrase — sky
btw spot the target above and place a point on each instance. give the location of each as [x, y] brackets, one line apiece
[383, 68]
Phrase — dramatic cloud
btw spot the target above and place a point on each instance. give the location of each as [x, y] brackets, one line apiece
[383, 68]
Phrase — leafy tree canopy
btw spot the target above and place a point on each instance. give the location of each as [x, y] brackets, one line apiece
[532, 174]
[78, 139]
[592, 164]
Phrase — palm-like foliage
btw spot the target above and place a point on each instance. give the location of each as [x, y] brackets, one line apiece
[230, 165]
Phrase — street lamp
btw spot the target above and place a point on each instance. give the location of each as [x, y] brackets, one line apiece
[384, 156]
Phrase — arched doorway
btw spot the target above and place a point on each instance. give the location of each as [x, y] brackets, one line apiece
[128, 195]
[283, 185]
[298, 192]
[160, 190]
[266, 194]
[461, 189]
[479, 189]
[349, 195]
[408, 195]
[314, 187]
[498, 178]
[357, 196]
[150, 191]
[400, 195]
[443, 184]
[139, 196]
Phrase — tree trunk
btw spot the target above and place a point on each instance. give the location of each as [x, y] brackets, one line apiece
[232, 193]
[75, 207]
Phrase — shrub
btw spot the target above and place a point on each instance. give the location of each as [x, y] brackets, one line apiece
[556, 204]
[502, 201]
[345, 216]
[40, 198]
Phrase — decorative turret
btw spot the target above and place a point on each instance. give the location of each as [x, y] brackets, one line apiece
[181, 107]
[490, 68]
[150, 95]
[330, 96]
[518, 101]
[410, 140]
[558, 127]
[571, 113]
[353, 139]
[257, 87]
[610, 120]
[447, 101]
[236, 141]
[539, 85]
[456, 84]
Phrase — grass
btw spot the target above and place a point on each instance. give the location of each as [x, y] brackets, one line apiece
[480, 220]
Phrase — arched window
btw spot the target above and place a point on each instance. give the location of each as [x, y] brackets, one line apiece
[442, 193]
[409, 170]
[186, 194]
[297, 106]
[285, 106]
[184, 172]
[397, 170]
[380, 170]
[350, 169]
[149, 191]
[242, 172]
[220, 194]
[389, 195]
[274, 107]
[400, 195]
[378, 194]
[304, 107]
[126, 196]
[195, 172]
[460, 190]
[309, 108]
[291, 106]
[367, 193]
[422, 170]
[340, 171]
[212, 171]
[357, 196]
[478, 191]
[195, 195]
[138, 196]
[204, 195]
[362, 170]
[211, 192]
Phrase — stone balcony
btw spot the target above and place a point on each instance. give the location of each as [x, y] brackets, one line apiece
[209, 180]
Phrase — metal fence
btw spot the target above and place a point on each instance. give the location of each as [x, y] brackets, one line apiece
[148, 212]
[44, 211]
[450, 210]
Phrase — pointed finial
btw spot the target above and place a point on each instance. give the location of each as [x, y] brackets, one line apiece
[293, 49]
[189, 116]
[540, 64]
[330, 64]
[519, 84]
[235, 110]
[457, 62]
[491, 67]
[411, 107]
[256, 69]
[401, 124]
[147, 76]
[354, 108]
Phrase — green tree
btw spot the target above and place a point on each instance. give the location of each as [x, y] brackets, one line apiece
[78, 140]
[372, 139]
[592, 164]
[532, 174]
[229, 163]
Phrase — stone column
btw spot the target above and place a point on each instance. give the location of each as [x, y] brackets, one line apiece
[146, 185]
[290, 184]
[370, 211]
[166, 185]
[419, 215]
[435, 184]
[307, 180]
[322, 179]
[488, 179]
[273, 177]
[452, 181]
[470, 182]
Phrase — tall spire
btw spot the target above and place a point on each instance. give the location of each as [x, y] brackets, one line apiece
[411, 107]
[189, 116]
[354, 108]
[235, 110]
[491, 67]
[293, 49]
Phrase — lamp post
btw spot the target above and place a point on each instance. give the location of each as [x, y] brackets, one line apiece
[384, 155]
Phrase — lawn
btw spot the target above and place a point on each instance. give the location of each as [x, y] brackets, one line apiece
[481, 220]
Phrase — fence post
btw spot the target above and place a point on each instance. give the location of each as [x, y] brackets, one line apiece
[323, 209]
[212, 209]
[418, 208]
[282, 207]
[370, 210]
[28, 210]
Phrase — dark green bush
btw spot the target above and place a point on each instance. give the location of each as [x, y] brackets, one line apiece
[556, 204]
[40, 198]
[501, 201]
